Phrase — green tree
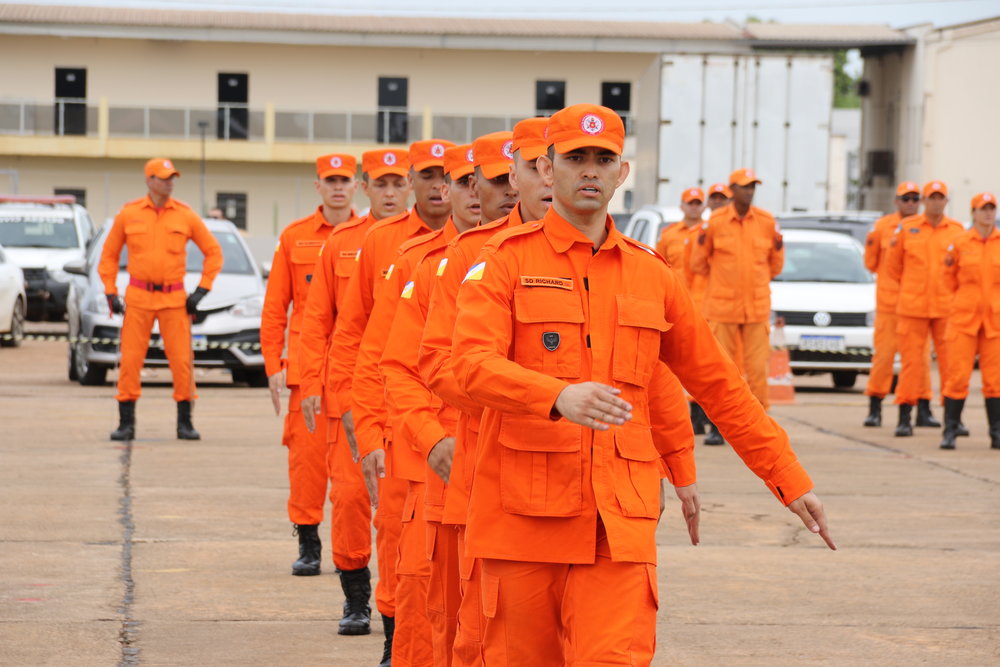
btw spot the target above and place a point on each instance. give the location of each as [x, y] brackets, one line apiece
[845, 86]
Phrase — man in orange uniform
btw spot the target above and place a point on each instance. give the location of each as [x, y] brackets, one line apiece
[421, 422]
[384, 182]
[972, 271]
[719, 195]
[353, 358]
[886, 297]
[156, 230]
[740, 250]
[916, 261]
[288, 284]
[561, 326]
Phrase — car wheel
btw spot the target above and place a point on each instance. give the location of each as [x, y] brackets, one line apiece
[87, 374]
[16, 325]
[844, 379]
[73, 376]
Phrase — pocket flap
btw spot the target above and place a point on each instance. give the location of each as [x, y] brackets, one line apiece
[305, 254]
[547, 305]
[635, 442]
[635, 311]
[533, 434]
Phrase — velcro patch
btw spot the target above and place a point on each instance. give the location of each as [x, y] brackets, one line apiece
[546, 281]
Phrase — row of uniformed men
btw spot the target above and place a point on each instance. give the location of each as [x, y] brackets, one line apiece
[504, 385]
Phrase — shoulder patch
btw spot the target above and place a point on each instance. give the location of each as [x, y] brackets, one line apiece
[407, 291]
[441, 266]
[476, 272]
[388, 272]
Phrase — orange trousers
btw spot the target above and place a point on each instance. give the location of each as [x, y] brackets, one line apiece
[468, 650]
[444, 594]
[911, 336]
[175, 334]
[411, 645]
[884, 359]
[962, 350]
[350, 507]
[307, 467]
[553, 614]
[754, 338]
[388, 522]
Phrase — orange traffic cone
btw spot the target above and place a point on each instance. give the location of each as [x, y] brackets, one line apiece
[780, 390]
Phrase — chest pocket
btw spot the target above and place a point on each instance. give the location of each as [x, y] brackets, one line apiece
[762, 249]
[138, 238]
[177, 238]
[303, 262]
[541, 466]
[549, 331]
[637, 339]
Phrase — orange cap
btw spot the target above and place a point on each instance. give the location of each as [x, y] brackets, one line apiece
[428, 153]
[935, 186]
[493, 153]
[692, 194]
[160, 167]
[743, 177]
[458, 162]
[336, 164]
[906, 187]
[583, 125]
[720, 189]
[529, 138]
[982, 199]
[384, 161]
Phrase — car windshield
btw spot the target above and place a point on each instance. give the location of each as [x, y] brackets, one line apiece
[823, 263]
[235, 259]
[18, 231]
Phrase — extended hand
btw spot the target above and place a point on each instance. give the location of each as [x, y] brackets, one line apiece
[441, 456]
[347, 419]
[594, 405]
[275, 383]
[194, 298]
[691, 509]
[373, 468]
[810, 510]
[311, 406]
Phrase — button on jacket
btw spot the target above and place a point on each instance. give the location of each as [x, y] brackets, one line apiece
[539, 310]
[916, 260]
[972, 275]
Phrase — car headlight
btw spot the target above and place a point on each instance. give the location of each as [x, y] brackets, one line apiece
[250, 307]
[870, 319]
[98, 304]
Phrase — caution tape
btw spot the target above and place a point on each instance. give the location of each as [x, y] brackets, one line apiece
[56, 338]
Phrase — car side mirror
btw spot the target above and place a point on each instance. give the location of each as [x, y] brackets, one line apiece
[265, 270]
[77, 267]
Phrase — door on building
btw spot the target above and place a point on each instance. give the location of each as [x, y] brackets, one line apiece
[393, 121]
[71, 101]
[617, 96]
[233, 206]
[234, 114]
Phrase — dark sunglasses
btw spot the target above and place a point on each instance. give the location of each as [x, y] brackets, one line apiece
[910, 198]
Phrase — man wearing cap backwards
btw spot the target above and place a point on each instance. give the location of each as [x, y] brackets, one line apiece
[886, 297]
[740, 250]
[356, 348]
[560, 327]
[384, 182]
[288, 284]
[156, 229]
[718, 196]
[972, 270]
[916, 261]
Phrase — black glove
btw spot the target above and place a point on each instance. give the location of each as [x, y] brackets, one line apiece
[115, 304]
[194, 299]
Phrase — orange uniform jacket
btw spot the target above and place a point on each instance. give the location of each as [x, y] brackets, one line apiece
[675, 245]
[972, 273]
[537, 311]
[740, 257]
[332, 272]
[916, 260]
[877, 246]
[157, 251]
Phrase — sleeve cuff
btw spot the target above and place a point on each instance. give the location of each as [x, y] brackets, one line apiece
[428, 436]
[680, 470]
[789, 483]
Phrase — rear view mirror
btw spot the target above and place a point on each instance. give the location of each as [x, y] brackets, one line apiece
[77, 267]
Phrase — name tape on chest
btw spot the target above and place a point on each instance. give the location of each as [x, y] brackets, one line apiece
[308, 244]
[348, 254]
[547, 281]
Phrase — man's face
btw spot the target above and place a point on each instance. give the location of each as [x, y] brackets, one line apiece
[428, 189]
[534, 194]
[497, 196]
[583, 180]
[337, 192]
[985, 216]
[162, 187]
[908, 204]
[743, 194]
[693, 209]
[935, 203]
[717, 200]
[465, 209]
[387, 194]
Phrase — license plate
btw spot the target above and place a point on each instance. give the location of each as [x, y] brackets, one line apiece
[822, 343]
[199, 342]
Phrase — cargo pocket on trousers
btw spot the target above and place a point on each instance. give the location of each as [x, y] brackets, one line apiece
[641, 322]
[489, 589]
[637, 471]
[541, 466]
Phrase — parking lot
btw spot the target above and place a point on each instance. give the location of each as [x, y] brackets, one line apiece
[178, 553]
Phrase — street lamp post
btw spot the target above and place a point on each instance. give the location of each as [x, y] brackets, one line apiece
[202, 127]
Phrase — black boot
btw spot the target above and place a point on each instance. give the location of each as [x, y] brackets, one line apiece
[357, 585]
[904, 428]
[698, 419]
[126, 421]
[924, 416]
[389, 625]
[185, 429]
[952, 418]
[874, 417]
[310, 551]
[714, 437]
[962, 431]
[993, 414]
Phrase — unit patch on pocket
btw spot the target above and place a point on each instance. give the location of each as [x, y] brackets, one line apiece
[551, 339]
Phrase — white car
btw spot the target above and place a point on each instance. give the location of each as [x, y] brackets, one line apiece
[648, 223]
[826, 298]
[13, 302]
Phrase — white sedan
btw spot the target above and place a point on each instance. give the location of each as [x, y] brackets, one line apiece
[13, 302]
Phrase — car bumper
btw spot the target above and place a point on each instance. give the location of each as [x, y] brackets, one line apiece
[46, 297]
[856, 354]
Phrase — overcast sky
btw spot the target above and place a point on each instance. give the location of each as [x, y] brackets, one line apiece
[898, 13]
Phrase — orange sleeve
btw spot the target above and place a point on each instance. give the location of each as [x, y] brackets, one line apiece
[661, 243]
[776, 257]
[317, 321]
[210, 247]
[873, 248]
[894, 258]
[701, 251]
[111, 253]
[412, 404]
[274, 317]
[671, 426]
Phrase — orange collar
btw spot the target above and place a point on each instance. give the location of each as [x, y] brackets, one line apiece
[563, 235]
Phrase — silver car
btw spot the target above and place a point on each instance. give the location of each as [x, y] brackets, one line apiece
[226, 330]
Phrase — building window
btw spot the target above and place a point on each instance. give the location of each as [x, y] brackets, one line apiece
[550, 97]
[393, 121]
[233, 119]
[617, 96]
[234, 207]
[70, 109]
[81, 195]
